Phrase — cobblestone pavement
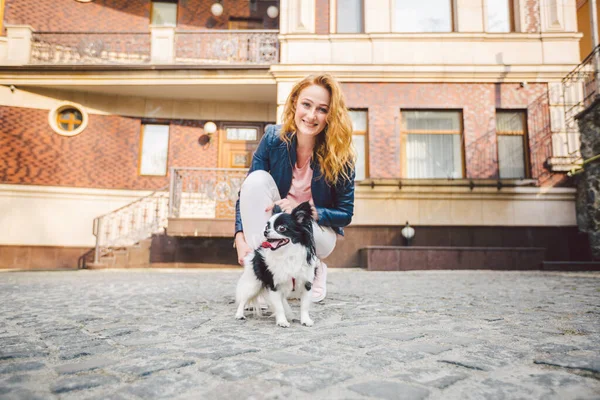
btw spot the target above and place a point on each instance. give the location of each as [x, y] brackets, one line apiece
[128, 334]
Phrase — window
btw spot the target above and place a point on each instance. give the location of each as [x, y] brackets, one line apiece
[432, 143]
[68, 119]
[349, 16]
[242, 133]
[361, 143]
[499, 15]
[422, 16]
[512, 142]
[164, 12]
[155, 148]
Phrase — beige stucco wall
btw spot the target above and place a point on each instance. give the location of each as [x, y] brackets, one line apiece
[55, 216]
[521, 206]
[59, 216]
[96, 103]
[432, 49]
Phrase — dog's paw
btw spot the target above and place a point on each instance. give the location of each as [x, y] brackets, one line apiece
[308, 322]
[240, 317]
[283, 324]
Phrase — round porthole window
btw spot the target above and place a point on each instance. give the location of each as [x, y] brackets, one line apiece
[68, 119]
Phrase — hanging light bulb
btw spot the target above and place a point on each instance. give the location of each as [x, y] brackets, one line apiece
[272, 11]
[216, 9]
[210, 128]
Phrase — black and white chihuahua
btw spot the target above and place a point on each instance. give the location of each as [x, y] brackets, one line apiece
[286, 259]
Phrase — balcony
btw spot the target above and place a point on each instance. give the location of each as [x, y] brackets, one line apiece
[160, 46]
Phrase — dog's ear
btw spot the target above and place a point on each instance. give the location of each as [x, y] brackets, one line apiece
[277, 209]
[302, 212]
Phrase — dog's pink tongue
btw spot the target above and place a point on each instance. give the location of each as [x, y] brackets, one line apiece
[266, 245]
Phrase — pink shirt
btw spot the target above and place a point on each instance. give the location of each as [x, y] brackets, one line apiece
[301, 181]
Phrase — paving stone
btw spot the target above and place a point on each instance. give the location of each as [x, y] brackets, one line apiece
[438, 378]
[172, 334]
[21, 367]
[11, 355]
[401, 336]
[310, 379]
[165, 386]
[429, 348]
[288, 358]
[390, 390]
[82, 382]
[584, 363]
[222, 353]
[86, 365]
[233, 370]
[400, 355]
[148, 367]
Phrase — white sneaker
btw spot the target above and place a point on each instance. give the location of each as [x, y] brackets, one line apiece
[319, 287]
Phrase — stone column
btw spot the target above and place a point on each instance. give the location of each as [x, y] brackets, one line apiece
[162, 50]
[588, 187]
[283, 91]
[19, 44]
[469, 16]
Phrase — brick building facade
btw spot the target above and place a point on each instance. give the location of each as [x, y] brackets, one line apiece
[106, 57]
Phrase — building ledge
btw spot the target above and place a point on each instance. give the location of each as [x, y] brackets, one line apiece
[564, 164]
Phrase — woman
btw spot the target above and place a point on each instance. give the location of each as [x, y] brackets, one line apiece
[308, 158]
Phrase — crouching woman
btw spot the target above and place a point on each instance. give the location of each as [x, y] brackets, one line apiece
[309, 157]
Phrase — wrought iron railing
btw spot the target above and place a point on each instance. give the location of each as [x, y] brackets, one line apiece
[132, 223]
[90, 48]
[204, 192]
[260, 47]
[580, 88]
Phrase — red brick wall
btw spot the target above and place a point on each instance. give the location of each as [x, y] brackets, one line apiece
[126, 15]
[532, 16]
[478, 103]
[70, 15]
[195, 14]
[104, 155]
[322, 17]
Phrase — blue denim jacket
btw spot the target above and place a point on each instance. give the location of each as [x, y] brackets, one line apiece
[334, 204]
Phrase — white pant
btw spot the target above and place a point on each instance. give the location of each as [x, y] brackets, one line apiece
[260, 191]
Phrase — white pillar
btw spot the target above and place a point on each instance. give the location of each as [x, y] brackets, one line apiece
[162, 50]
[19, 43]
[284, 89]
[469, 16]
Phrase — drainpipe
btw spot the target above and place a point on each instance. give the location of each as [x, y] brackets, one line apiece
[594, 26]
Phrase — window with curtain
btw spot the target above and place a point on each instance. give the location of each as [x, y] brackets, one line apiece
[155, 150]
[164, 13]
[432, 144]
[499, 15]
[512, 144]
[423, 16]
[349, 16]
[360, 141]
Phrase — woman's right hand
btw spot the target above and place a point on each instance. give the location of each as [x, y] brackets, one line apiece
[242, 247]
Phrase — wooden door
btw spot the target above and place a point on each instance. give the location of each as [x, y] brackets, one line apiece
[237, 144]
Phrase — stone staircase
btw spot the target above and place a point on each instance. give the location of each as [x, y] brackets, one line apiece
[135, 256]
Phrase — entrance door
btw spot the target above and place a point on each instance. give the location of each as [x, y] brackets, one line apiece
[237, 143]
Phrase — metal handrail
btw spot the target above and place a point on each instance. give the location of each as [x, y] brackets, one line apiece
[101, 224]
[204, 192]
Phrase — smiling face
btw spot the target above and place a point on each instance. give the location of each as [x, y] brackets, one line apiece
[312, 108]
